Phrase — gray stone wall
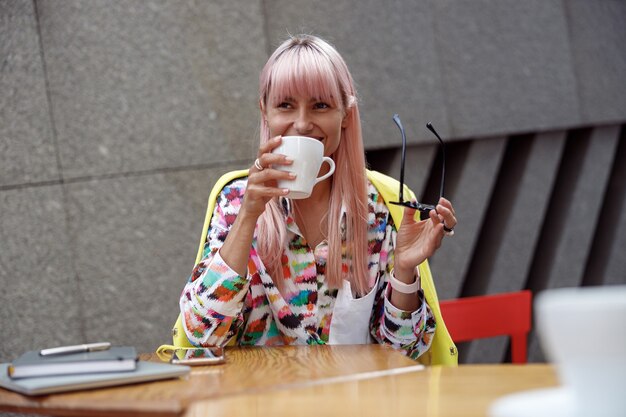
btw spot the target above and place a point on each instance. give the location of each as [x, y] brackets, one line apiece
[117, 116]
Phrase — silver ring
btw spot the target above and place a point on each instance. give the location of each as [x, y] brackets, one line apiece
[257, 165]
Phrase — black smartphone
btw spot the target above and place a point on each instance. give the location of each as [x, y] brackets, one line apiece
[198, 356]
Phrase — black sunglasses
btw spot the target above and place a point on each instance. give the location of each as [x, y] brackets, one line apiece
[423, 208]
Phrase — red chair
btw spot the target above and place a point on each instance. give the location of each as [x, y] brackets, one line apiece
[509, 314]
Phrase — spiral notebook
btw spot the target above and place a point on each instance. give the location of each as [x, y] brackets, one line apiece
[145, 371]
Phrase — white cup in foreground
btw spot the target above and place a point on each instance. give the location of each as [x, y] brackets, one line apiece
[308, 156]
[583, 332]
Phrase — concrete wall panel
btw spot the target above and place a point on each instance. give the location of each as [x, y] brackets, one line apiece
[597, 37]
[27, 151]
[495, 83]
[41, 300]
[143, 85]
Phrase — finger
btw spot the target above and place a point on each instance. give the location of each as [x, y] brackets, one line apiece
[446, 216]
[451, 222]
[270, 175]
[261, 191]
[270, 145]
[437, 234]
[443, 211]
[268, 160]
[437, 222]
[446, 203]
[409, 215]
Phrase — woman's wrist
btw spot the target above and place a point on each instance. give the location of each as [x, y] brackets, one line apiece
[402, 286]
[407, 276]
[246, 215]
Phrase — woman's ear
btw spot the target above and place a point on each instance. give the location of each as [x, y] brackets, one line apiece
[346, 116]
[262, 108]
[350, 103]
[263, 112]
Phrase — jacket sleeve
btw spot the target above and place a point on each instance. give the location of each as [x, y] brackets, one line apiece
[213, 298]
[411, 332]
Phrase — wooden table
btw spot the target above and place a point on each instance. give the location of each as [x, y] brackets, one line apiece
[347, 380]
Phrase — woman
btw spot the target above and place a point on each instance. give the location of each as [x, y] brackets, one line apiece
[332, 268]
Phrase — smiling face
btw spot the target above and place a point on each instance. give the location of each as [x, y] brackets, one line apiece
[302, 115]
[305, 91]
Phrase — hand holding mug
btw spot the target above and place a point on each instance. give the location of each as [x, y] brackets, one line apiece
[263, 177]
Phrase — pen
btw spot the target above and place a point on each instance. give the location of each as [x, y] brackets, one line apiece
[63, 350]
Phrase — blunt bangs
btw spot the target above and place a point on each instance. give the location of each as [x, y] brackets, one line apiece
[304, 71]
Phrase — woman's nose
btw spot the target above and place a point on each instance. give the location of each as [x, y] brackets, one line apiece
[303, 123]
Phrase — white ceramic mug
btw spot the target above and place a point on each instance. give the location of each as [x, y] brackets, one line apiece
[583, 331]
[308, 156]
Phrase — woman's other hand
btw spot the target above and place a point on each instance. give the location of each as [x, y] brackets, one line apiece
[263, 178]
[418, 240]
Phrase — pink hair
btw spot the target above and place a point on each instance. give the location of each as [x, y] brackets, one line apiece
[307, 65]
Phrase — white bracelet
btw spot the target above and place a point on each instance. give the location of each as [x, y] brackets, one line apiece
[405, 288]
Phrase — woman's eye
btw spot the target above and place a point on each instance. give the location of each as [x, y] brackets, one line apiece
[322, 105]
[284, 105]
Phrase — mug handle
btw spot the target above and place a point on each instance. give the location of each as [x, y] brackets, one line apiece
[329, 173]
